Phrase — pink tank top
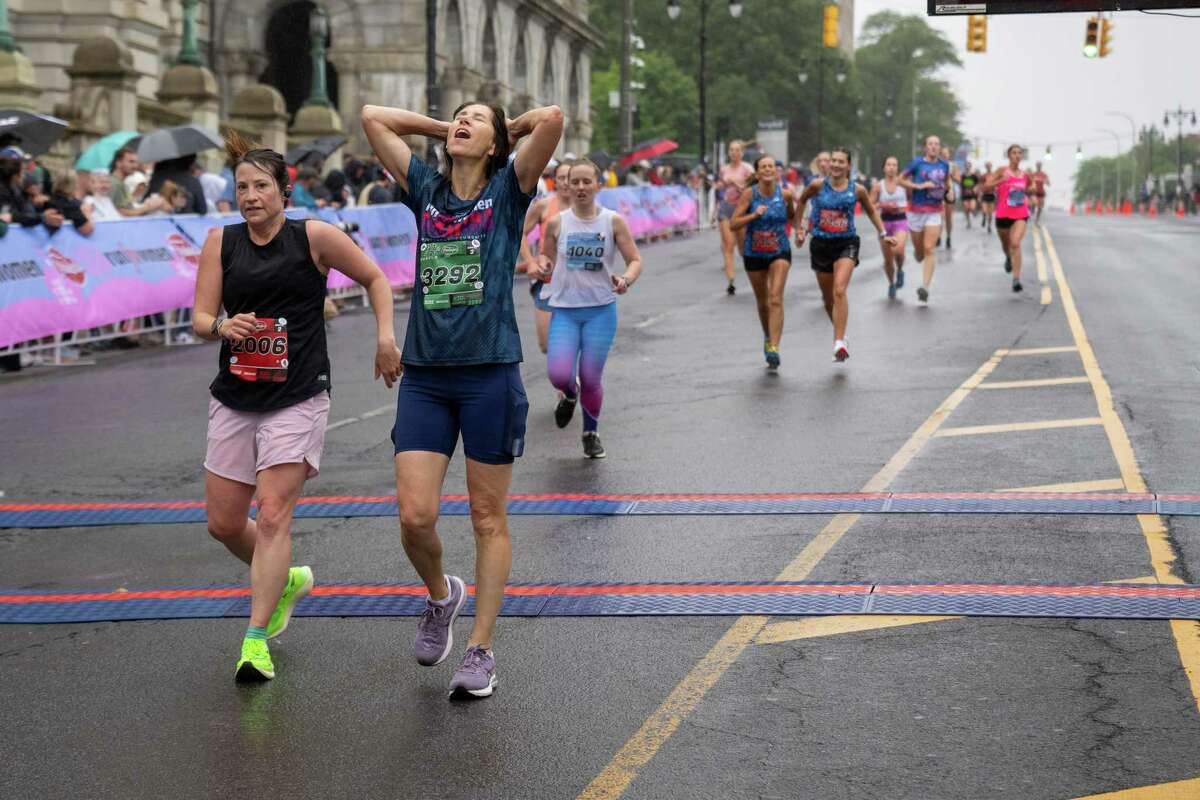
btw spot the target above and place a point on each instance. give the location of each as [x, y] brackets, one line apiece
[1010, 196]
[734, 180]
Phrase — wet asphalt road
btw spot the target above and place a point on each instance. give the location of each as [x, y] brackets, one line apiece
[958, 708]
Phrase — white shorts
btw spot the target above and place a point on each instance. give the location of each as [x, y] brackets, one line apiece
[242, 444]
[919, 220]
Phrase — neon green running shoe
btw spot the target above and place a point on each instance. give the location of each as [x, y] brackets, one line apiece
[255, 663]
[300, 583]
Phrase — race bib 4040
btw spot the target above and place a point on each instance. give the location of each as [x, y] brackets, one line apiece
[451, 273]
[263, 355]
[585, 250]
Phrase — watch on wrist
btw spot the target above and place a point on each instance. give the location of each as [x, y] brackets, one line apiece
[215, 328]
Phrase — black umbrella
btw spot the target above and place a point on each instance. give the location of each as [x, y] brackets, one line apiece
[321, 147]
[169, 143]
[600, 158]
[33, 133]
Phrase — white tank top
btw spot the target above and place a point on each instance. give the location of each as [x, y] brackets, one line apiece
[898, 198]
[583, 265]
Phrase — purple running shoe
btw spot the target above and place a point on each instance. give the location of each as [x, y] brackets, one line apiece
[476, 675]
[435, 629]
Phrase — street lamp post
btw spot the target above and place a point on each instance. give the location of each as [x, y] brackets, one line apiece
[1117, 140]
[433, 95]
[840, 76]
[7, 43]
[673, 11]
[916, 78]
[1133, 154]
[1178, 115]
[318, 27]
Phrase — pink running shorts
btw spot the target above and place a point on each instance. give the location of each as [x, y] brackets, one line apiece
[243, 443]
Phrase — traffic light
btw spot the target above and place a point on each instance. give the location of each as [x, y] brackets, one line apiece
[1106, 38]
[977, 33]
[1091, 48]
[829, 32]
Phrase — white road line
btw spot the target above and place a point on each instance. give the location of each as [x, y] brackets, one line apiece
[375, 412]
[646, 323]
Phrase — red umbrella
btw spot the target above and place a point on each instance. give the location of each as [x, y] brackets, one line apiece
[647, 150]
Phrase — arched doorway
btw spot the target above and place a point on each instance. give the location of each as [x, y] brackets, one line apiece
[289, 65]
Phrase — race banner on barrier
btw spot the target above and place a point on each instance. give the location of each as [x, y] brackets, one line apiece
[647, 209]
[388, 234]
[53, 283]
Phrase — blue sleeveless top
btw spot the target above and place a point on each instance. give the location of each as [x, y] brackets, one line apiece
[766, 236]
[833, 212]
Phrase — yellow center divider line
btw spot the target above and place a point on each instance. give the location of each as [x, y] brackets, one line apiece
[1108, 485]
[1154, 530]
[1032, 384]
[658, 728]
[1010, 427]
[1043, 278]
[816, 627]
[1176, 790]
[1041, 351]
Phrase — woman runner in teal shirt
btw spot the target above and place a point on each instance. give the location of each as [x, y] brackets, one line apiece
[462, 353]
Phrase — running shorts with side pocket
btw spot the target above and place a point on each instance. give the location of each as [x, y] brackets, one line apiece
[725, 210]
[825, 250]
[486, 403]
[242, 444]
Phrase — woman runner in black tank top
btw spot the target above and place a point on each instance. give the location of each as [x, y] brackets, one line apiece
[270, 400]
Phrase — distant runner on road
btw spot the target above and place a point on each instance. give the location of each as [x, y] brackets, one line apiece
[733, 177]
[763, 213]
[1012, 213]
[270, 399]
[538, 216]
[1039, 180]
[835, 245]
[928, 182]
[581, 246]
[987, 198]
[892, 199]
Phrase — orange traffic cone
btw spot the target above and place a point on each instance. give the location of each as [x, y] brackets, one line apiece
[1072, 209]
[1127, 209]
[1153, 210]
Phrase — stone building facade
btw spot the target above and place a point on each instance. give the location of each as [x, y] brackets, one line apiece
[110, 64]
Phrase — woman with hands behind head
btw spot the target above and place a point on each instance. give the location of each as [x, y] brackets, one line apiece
[462, 352]
[270, 399]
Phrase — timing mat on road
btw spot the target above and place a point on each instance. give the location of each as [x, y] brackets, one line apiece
[1102, 601]
[71, 515]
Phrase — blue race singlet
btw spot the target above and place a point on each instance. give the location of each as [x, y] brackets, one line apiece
[833, 211]
[766, 236]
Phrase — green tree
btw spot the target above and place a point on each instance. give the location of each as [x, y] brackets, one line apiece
[664, 108]
[753, 66]
[1096, 176]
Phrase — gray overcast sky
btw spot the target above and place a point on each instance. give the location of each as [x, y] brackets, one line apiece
[1034, 86]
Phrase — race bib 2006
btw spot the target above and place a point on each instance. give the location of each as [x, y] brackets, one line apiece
[451, 273]
[263, 355]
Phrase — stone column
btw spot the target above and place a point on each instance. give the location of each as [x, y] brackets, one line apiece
[260, 109]
[317, 117]
[190, 88]
[18, 86]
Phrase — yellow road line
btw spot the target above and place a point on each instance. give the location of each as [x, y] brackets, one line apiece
[815, 627]
[1043, 278]
[1154, 530]
[1010, 427]
[615, 778]
[1041, 351]
[1176, 790]
[1043, 275]
[1079, 486]
[1031, 384]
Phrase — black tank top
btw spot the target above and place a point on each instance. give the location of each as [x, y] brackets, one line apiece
[277, 281]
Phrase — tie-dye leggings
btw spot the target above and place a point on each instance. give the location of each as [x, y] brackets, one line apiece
[581, 336]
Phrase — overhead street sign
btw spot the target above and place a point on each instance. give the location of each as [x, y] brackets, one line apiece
[940, 9]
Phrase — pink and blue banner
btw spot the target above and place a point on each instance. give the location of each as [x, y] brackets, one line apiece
[649, 210]
[53, 283]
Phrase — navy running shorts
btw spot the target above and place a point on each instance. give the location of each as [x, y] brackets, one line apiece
[484, 402]
[755, 264]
